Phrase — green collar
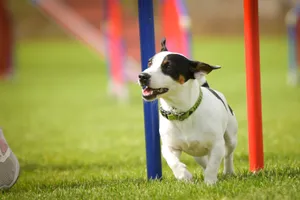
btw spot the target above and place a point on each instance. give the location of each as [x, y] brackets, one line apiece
[183, 115]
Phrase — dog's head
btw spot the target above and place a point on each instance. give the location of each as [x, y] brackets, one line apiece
[168, 70]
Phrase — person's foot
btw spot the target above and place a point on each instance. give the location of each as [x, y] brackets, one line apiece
[9, 165]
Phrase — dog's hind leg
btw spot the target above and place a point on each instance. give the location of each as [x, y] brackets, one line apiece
[172, 156]
[214, 161]
[230, 138]
[230, 145]
[202, 161]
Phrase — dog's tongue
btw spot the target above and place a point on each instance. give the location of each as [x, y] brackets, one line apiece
[147, 91]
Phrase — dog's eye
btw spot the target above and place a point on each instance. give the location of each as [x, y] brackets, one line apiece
[149, 62]
[166, 65]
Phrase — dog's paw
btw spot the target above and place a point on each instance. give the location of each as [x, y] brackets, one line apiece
[210, 181]
[185, 176]
[228, 172]
[181, 173]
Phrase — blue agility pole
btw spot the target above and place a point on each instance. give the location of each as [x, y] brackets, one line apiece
[147, 46]
[291, 22]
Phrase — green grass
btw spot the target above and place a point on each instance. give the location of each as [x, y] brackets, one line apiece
[74, 142]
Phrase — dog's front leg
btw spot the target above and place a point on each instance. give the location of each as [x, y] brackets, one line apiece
[215, 158]
[179, 169]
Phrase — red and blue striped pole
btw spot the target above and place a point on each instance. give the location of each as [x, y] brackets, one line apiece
[256, 155]
[147, 46]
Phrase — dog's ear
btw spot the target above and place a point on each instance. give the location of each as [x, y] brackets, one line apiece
[201, 68]
[163, 45]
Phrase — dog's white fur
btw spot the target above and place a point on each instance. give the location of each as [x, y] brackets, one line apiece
[209, 134]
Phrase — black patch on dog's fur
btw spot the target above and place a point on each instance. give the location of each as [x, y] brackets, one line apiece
[175, 65]
[179, 67]
[205, 85]
[214, 93]
[230, 109]
[182, 69]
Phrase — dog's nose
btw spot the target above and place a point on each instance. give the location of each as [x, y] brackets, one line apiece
[144, 78]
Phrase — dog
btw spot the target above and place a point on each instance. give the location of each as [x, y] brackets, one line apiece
[193, 118]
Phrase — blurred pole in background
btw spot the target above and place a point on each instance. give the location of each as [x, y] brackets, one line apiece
[147, 46]
[176, 26]
[256, 157]
[6, 41]
[115, 54]
[292, 24]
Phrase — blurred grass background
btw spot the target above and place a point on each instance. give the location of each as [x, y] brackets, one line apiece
[74, 142]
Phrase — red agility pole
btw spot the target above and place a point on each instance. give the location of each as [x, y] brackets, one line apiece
[256, 157]
[6, 41]
[3, 39]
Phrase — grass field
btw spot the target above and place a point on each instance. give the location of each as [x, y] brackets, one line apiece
[73, 142]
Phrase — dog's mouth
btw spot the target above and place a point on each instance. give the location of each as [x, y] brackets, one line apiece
[151, 93]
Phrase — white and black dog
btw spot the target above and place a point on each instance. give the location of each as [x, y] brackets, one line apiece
[193, 118]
